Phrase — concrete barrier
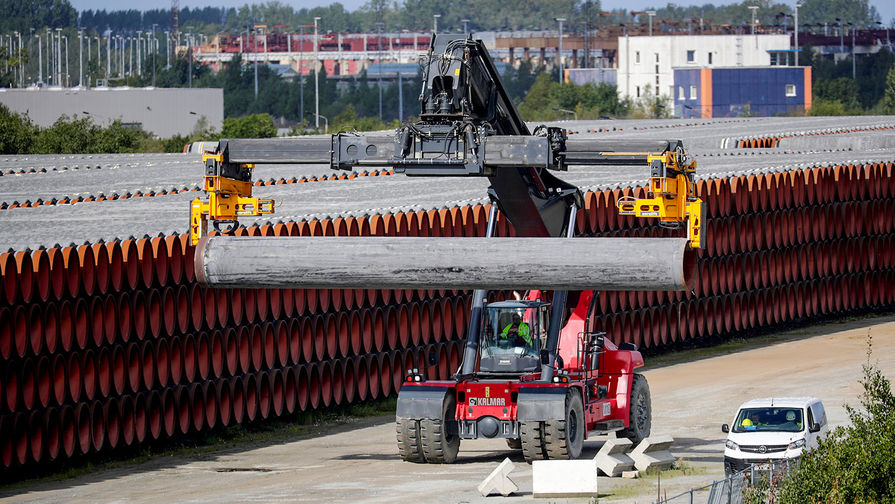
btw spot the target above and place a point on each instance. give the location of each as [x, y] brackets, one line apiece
[564, 478]
[653, 452]
[499, 480]
[612, 459]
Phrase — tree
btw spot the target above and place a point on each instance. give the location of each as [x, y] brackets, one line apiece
[252, 126]
[889, 96]
[24, 14]
[859, 12]
[16, 132]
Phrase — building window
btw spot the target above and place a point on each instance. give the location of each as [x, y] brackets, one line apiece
[657, 57]
[657, 68]
[657, 90]
[692, 92]
[680, 93]
[790, 90]
[710, 58]
[637, 88]
[637, 57]
[691, 56]
[657, 80]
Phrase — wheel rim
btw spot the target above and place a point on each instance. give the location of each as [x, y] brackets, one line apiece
[640, 411]
[573, 426]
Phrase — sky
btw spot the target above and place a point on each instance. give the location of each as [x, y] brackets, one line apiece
[886, 8]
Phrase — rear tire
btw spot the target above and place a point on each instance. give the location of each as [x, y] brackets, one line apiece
[409, 445]
[532, 438]
[438, 446]
[640, 414]
[564, 439]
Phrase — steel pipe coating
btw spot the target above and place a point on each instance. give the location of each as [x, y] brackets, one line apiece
[450, 263]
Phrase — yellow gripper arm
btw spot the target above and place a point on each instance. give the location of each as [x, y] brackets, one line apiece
[229, 189]
[673, 196]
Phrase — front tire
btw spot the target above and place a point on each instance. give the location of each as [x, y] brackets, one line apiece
[564, 439]
[532, 438]
[440, 447]
[640, 414]
[409, 445]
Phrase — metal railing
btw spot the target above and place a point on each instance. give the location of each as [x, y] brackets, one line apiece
[732, 489]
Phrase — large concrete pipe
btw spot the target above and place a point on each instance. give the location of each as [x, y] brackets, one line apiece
[446, 263]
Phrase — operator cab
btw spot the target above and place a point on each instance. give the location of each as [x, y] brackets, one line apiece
[513, 333]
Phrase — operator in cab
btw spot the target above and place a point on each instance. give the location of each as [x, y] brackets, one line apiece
[517, 329]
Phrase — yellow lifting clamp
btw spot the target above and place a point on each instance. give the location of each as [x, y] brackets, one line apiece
[673, 192]
[228, 198]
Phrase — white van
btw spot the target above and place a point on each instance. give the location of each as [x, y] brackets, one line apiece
[776, 428]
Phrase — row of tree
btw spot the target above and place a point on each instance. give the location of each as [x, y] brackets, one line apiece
[413, 15]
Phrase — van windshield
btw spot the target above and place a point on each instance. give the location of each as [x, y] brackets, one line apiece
[769, 420]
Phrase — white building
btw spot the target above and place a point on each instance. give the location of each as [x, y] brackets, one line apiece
[647, 62]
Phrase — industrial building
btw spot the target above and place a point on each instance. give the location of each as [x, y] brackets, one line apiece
[646, 64]
[162, 112]
[741, 91]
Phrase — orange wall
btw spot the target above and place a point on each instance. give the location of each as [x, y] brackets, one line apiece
[705, 82]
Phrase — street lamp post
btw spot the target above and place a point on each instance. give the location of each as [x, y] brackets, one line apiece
[301, 75]
[58, 57]
[888, 44]
[560, 20]
[465, 26]
[21, 62]
[80, 58]
[189, 52]
[40, 60]
[139, 53]
[753, 8]
[167, 49]
[154, 50]
[435, 23]
[796, 30]
[325, 123]
[853, 68]
[379, 47]
[316, 76]
[841, 36]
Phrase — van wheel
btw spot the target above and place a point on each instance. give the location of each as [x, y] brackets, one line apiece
[640, 415]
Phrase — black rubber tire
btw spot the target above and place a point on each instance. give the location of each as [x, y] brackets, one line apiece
[409, 445]
[514, 443]
[532, 438]
[641, 413]
[439, 447]
[564, 439]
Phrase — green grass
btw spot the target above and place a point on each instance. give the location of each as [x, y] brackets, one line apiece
[205, 444]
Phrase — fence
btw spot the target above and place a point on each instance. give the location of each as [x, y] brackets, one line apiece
[734, 488]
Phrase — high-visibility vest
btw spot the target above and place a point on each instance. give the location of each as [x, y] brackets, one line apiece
[522, 330]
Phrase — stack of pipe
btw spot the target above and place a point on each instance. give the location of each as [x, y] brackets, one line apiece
[110, 345]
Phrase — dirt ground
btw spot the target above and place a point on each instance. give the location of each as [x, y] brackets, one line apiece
[360, 464]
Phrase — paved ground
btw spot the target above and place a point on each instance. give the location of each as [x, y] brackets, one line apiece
[86, 175]
[359, 464]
